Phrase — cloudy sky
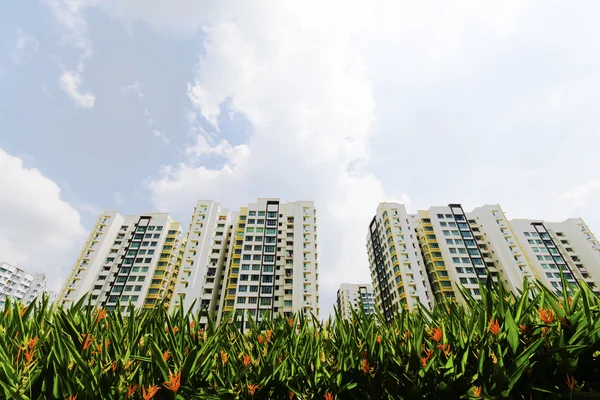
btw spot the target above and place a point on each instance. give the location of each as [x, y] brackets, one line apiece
[148, 105]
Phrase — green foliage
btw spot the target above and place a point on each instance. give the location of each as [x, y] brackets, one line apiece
[535, 345]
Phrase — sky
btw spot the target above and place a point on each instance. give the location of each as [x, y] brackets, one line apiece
[147, 106]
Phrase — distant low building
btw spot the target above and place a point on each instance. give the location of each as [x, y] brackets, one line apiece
[18, 284]
[355, 296]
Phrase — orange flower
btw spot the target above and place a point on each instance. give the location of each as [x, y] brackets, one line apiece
[316, 335]
[175, 329]
[174, 382]
[72, 397]
[166, 355]
[476, 391]
[32, 342]
[252, 388]
[88, 341]
[378, 340]
[329, 396]
[291, 394]
[571, 300]
[192, 324]
[407, 334]
[29, 355]
[291, 321]
[223, 357]
[524, 329]
[261, 339]
[246, 360]
[269, 334]
[546, 316]
[425, 360]
[114, 366]
[445, 349]
[101, 315]
[436, 334]
[23, 311]
[152, 389]
[131, 390]
[127, 365]
[364, 366]
[494, 326]
[571, 383]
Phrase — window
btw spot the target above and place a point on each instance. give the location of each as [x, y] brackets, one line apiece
[266, 289]
[243, 288]
[456, 260]
[267, 278]
[265, 301]
[251, 300]
[241, 300]
[449, 241]
[253, 289]
[446, 233]
[243, 277]
[465, 261]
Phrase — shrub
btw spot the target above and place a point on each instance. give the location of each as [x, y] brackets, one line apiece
[536, 345]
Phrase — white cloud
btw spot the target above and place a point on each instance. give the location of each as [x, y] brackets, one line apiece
[135, 88]
[161, 135]
[24, 45]
[70, 15]
[40, 232]
[118, 197]
[69, 82]
[352, 104]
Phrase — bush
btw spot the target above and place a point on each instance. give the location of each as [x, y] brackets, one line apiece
[536, 345]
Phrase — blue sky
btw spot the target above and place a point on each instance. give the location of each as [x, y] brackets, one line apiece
[146, 105]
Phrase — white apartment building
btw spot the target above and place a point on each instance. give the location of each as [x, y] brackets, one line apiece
[554, 247]
[355, 296]
[397, 267]
[460, 250]
[17, 284]
[127, 258]
[274, 262]
[205, 260]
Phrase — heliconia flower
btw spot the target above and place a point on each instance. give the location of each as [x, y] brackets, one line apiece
[424, 361]
[148, 394]
[29, 355]
[252, 388]
[166, 355]
[407, 334]
[364, 366]
[476, 391]
[261, 339]
[224, 357]
[571, 382]
[175, 329]
[445, 349]
[329, 396]
[291, 321]
[546, 316]
[523, 328]
[127, 365]
[23, 311]
[246, 360]
[131, 389]
[570, 300]
[192, 324]
[114, 365]
[378, 340]
[291, 394]
[269, 334]
[174, 382]
[316, 335]
[72, 397]
[427, 357]
[494, 326]
[102, 313]
[436, 334]
[88, 341]
[493, 357]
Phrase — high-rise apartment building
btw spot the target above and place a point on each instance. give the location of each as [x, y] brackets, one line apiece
[127, 258]
[460, 250]
[260, 260]
[397, 267]
[567, 247]
[355, 296]
[205, 260]
[17, 284]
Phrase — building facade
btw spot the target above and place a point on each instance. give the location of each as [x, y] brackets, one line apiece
[259, 261]
[554, 248]
[460, 250]
[397, 268]
[357, 297]
[464, 249]
[127, 259]
[15, 283]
